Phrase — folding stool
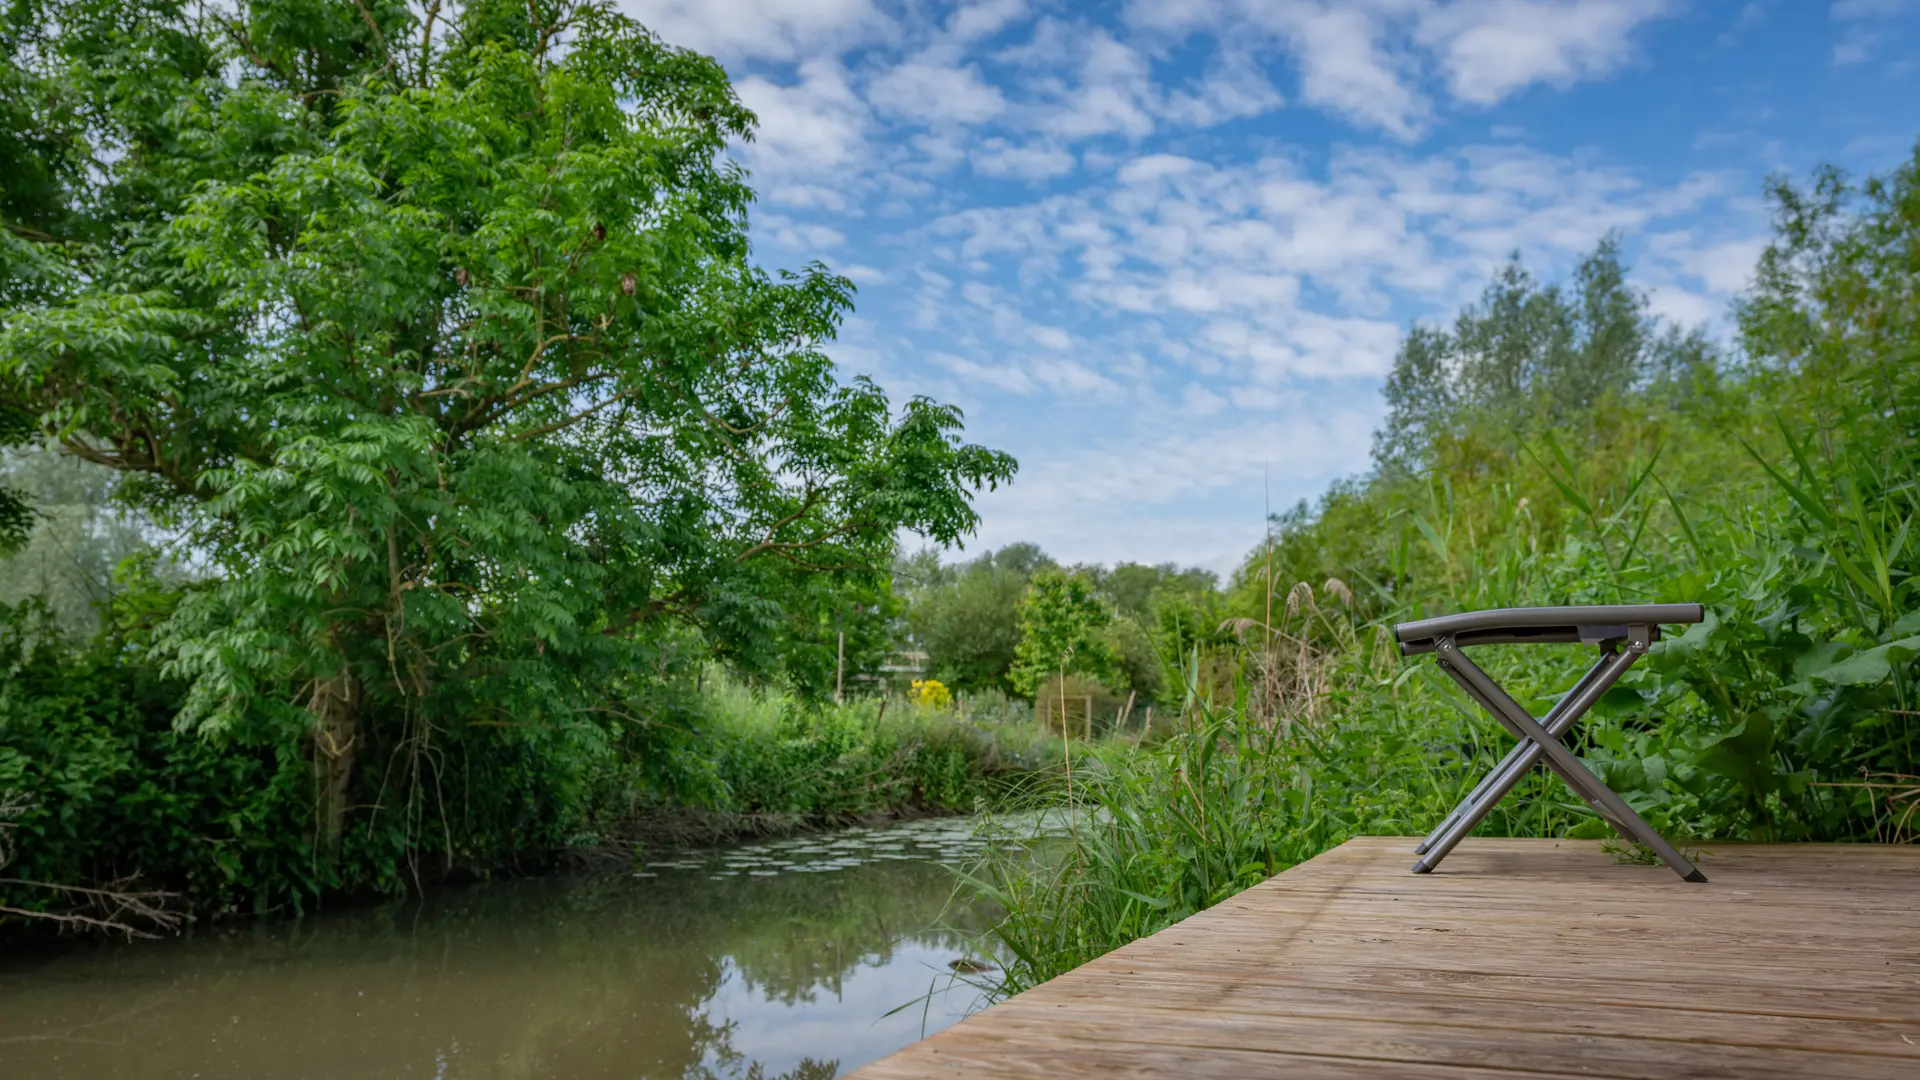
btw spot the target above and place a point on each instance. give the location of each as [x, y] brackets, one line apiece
[1622, 631]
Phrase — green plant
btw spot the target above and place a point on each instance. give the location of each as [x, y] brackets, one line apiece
[1061, 624]
[1777, 491]
[434, 336]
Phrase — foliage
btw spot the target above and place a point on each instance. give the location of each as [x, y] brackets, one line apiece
[78, 537]
[1527, 357]
[107, 789]
[1061, 631]
[87, 743]
[435, 337]
[834, 619]
[1136, 590]
[966, 617]
[752, 754]
[1777, 490]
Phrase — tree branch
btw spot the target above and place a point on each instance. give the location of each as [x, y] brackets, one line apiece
[569, 421]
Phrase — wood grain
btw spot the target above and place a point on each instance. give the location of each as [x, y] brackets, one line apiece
[1521, 958]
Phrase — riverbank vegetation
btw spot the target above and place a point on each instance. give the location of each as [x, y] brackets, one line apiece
[411, 474]
[1557, 446]
[117, 816]
[430, 346]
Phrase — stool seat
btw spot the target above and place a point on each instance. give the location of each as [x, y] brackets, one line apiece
[1623, 633]
[1588, 625]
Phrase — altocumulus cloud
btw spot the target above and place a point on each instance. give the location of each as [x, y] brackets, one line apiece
[1164, 250]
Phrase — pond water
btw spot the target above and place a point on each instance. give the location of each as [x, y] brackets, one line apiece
[775, 959]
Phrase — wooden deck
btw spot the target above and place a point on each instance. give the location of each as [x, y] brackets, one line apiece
[1516, 958]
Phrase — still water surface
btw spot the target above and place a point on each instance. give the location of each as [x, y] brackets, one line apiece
[780, 958]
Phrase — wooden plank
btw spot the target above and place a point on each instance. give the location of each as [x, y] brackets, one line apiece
[1518, 958]
[1392, 1044]
[1202, 995]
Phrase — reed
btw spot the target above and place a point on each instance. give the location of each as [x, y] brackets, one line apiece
[1780, 493]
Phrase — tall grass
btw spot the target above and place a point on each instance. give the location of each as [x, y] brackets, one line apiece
[736, 760]
[1784, 499]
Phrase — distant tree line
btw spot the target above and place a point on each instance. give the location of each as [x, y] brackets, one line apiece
[966, 616]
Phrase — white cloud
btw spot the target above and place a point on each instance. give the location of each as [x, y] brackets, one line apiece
[1339, 46]
[803, 236]
[817, 125]
[1008, 377]
[934, 93]
[1151, 167]
[1692, 280]
[975, 21]
[1110, 97]
[1051, 336]
[1262, 275]
[806, 196]
[1120, 498]
[1072, 379]
[861, 274]
[1490, 49]
[1344, 69]
[1365, 60]
[1304, 344]
[1200, 401]
[1232, 88]
[1727, 268]
[1863, 28]
[765, 29]
[1684, 307]
[1037, 161]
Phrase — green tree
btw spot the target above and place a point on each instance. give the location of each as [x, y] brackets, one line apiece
[436, 335]
[1420, 398]
[966, 618]
[1134, 588]
[1526, 355]
[78, 537]
[1062, 624]
[836, 617]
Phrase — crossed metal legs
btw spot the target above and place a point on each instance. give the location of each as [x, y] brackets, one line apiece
[1541, 739]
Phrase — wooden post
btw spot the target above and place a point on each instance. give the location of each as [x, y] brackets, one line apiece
[1089, 717]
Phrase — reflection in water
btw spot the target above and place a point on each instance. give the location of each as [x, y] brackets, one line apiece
[770, 960]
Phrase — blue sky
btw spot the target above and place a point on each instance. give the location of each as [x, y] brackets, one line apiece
[1163, 251]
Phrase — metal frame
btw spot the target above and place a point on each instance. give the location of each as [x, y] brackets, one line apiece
[1623, 633]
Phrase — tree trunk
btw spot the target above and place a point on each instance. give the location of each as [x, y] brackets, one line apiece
[335, 706]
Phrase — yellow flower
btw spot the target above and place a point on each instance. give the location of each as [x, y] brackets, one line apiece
[932, 693]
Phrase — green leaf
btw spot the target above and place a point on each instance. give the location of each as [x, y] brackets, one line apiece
[1618, 700]
[1567, 491]
[1745, 755]
[1868, 667]
[1813, 507]
[1434, 539]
